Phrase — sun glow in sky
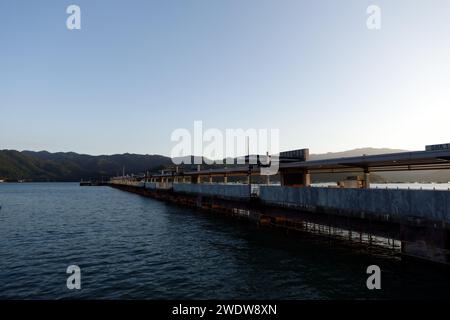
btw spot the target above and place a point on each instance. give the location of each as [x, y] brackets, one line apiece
[137, 70]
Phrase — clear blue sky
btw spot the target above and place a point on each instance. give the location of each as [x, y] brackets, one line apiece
[137, 70]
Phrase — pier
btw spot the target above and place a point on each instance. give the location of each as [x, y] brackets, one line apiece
[417, 222]
[93, 183]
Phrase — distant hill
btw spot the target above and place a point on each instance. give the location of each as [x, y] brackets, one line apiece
[353, 153]
[70, 166]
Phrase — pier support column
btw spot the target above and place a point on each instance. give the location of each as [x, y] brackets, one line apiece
[295, 178]
[210, 179]
[366, 179]
[306, 178]
[267, 179]
[225, 179]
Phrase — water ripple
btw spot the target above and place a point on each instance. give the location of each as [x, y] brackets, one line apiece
[132, 247]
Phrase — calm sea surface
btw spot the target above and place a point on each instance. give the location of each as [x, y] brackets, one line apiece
[132, 247]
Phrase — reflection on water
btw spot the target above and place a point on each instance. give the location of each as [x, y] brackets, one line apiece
[133, 247]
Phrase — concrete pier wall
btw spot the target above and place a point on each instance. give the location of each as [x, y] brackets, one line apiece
[231, 191]
[150, 185]
[420, 219]
[138, 184]
[428, 204]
